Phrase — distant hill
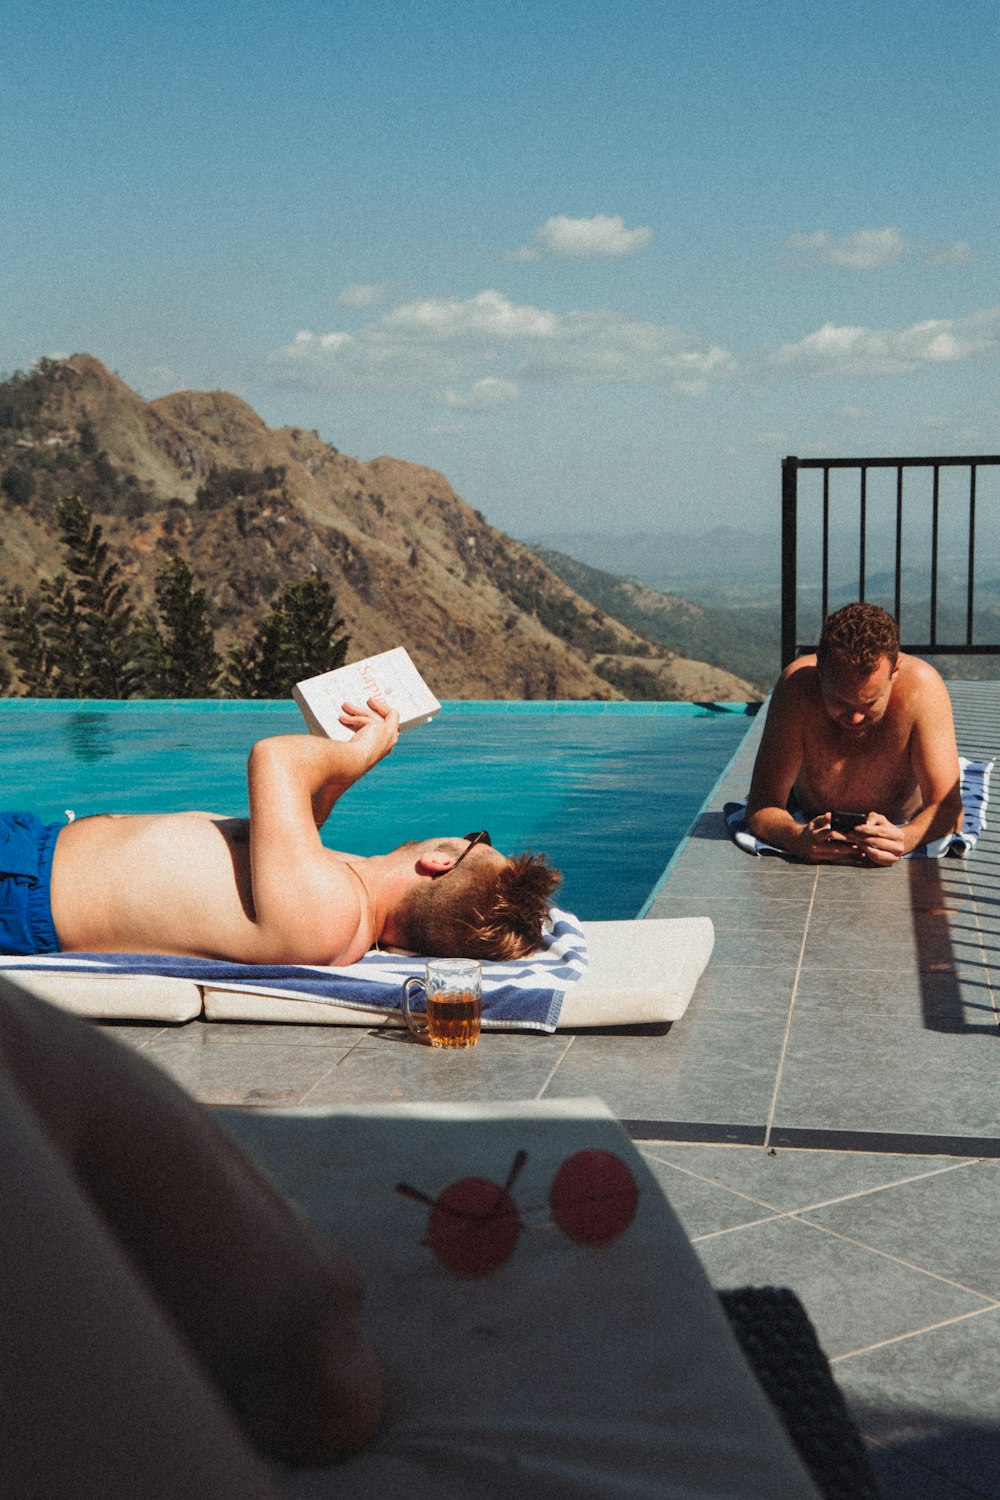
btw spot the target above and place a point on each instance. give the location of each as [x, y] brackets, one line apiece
[199, 475]
[717, 595]
[745, 640]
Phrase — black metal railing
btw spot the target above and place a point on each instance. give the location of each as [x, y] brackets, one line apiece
[948, 509]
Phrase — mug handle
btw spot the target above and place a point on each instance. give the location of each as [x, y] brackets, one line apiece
[408, 1015]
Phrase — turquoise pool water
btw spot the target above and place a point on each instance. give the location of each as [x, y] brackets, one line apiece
[607, 790]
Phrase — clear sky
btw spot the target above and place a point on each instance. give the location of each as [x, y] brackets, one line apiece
[602, 262]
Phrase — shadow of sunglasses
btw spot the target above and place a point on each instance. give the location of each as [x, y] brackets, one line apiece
[474, 1224]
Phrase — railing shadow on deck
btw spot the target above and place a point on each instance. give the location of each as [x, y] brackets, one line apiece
[951, 1002]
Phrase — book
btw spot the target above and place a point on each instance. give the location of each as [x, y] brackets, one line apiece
[390, 675]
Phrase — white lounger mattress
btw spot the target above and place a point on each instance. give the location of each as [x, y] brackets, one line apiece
[638, 973]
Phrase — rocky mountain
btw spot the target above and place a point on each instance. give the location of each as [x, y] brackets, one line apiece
[200, 475]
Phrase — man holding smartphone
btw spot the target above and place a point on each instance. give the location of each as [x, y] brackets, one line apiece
[860, 741]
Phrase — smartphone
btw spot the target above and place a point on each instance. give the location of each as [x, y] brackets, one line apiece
[844, 822]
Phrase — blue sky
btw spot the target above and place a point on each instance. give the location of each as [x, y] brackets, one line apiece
[600, 263]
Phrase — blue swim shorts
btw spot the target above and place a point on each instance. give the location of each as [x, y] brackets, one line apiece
[26, 848]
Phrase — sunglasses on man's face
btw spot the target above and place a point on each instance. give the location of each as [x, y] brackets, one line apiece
[472, 839]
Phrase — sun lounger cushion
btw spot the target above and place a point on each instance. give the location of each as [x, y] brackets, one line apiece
[975, 796]
[527, 993]
[571, 1370]
[119, 997]
[637, 973]
[599, 974]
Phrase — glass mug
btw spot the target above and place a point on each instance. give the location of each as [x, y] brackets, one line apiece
[454, 991]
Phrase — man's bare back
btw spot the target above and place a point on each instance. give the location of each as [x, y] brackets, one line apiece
[878, 742]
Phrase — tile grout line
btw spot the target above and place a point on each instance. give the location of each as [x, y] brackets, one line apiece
[776, 1208]
[914, 1333]
[331, 1071]
[791, 1012]
[898, 1260]
[800, 1216]
[555, 1067]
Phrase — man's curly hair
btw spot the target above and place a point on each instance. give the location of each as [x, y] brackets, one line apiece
[480, 910]
[859, 635]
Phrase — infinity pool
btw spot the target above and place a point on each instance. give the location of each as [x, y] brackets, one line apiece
[607, 790]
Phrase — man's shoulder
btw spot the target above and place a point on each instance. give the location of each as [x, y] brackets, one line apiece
[799, 682]
[920, 692]
[802, 664]
[916, 676]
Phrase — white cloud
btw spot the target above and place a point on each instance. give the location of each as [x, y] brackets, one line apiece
[958, 253]
[488, 315]
[876, 249]
[864, 250]
[370, 360]
[365, 295]
[483, 395]
[607, 345]
[563, 238]
[855, 413]
[493, 345]
[863, 352]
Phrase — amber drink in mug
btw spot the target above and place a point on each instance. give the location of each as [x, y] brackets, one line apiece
[454, 991]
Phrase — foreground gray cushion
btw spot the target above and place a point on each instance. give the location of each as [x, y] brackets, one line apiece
[572, 1370]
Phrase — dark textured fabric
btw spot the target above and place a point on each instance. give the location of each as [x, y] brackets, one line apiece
[781, 1347]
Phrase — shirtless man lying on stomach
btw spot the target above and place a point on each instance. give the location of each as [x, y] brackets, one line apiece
[266, 890]
[861, 727]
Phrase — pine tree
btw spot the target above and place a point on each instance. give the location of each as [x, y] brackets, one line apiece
[79, 637]
[75, 639]
[66, 659]
[101, 613]
[27, 642]
[179, 660]
[297, 638]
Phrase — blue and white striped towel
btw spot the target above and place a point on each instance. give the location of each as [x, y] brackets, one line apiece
[975, 796]
[526, 993]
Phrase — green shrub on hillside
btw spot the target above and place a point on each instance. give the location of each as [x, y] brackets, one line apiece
[227, 486]
[22, 396]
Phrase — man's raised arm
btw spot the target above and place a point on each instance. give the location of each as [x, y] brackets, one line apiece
[306, 904]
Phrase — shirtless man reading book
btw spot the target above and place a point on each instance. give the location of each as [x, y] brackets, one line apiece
[266, 890]
[859, 739]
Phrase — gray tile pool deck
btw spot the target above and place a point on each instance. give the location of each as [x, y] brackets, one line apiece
[826, 1115]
